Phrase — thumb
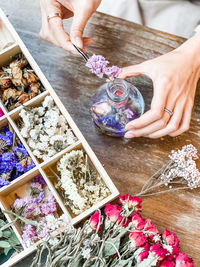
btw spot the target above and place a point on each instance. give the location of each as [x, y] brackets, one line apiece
[132, 71]
[80, 19]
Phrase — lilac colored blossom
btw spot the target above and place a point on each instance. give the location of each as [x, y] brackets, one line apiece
[112, 72]
[36, 185]
[99, 66]
[39, 198]
[3, 182]
[19, 203]
[29, 233]
[1, 112]
[50, 206]
[40, 180]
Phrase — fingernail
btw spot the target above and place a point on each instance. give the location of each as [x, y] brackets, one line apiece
[129, 135]
[79, 42]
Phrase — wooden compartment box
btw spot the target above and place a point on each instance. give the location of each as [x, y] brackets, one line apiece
[10, 46]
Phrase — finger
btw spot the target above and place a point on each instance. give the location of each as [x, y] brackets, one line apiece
[80, 19]
[132, 71]
[157, 108]
[87, 41]
[151, 128]
[56, 26]
[174, 122]
[185, 123]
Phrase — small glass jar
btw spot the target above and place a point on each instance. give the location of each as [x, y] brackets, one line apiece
[114, 104]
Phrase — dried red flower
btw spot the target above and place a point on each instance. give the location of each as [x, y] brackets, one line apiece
[138, 239]
[112, 212]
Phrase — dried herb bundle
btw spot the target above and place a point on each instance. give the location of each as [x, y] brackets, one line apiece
[18, 83]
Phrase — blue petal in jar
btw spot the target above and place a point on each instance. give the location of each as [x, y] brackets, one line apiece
[114, 104]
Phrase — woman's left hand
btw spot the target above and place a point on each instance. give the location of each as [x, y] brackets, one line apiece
[175, 76]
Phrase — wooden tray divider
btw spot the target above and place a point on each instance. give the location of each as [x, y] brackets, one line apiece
[7, 49]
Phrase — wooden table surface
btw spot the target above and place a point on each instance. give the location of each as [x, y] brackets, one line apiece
[128, 164]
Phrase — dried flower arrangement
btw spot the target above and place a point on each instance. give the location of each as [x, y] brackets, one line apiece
[99, 66]
[18, 83]
[45, 129]
[38, 206]
[14, 159]
[9, 243]
[117, 237]
[79, 184]
[179, 173]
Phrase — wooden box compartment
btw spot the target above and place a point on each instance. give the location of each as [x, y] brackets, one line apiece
[42, 167]
[6, 38]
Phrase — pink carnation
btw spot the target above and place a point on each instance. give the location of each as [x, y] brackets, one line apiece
[112, 212]
[94, 220]
[182, 260]
[168, 262]
[143, 255]
[170, 238]
[131, 202]
[138, 221]
[158, 251]
[150, 228]
[138, 239]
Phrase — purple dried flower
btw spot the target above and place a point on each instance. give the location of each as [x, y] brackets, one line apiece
[112, 72]
[7, 163]
[20, 151]
[50, 206]
[99, 65]
[29, 233]
[39, 198]
[44, 231]
[8, 138]
[40, 180]
[36, 185]
[19, 203]
[3, 182]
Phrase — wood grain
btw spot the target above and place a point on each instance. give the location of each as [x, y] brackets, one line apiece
[129, 164]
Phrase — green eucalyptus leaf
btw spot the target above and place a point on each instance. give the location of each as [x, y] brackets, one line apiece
[4, 244]
[111, 246]
[1, 233]
[127, 263]
[6, 234]
[13, 240]
[6, 250]
[2, 223]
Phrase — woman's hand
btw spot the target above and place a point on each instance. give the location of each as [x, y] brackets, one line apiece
[175, 76]
[53, 30]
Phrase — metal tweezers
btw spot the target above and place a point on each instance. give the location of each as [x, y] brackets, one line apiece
[84, 55]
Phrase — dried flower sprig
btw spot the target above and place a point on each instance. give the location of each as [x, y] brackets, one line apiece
[45, 129]
[18, 83]
[1, 112]
[14, 159]
[179, 173]
[79, 183]
[99, 66]
[38, 205]
[118, 236]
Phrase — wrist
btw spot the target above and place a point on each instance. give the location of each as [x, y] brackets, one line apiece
[191, 49]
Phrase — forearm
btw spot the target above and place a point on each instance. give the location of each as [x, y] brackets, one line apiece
[191, 49]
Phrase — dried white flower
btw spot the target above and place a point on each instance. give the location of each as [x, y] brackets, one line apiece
[80, 184]
[46, 129]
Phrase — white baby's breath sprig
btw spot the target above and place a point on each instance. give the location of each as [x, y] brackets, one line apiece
[179, 173]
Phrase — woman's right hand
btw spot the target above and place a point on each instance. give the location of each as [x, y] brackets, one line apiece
[53, 30]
